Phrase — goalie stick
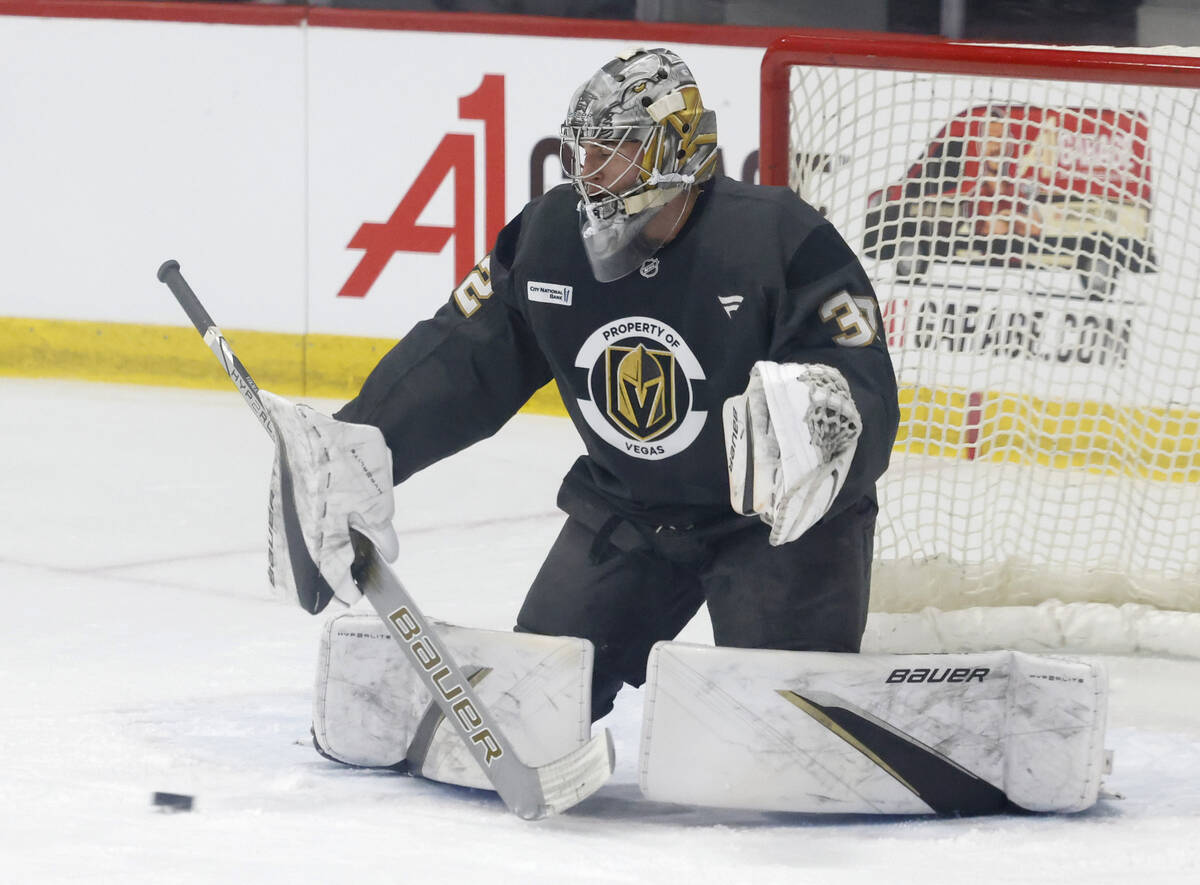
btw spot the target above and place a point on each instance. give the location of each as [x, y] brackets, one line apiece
[531, 792]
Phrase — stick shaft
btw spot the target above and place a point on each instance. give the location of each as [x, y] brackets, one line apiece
[516, 783]
[170, 274]
[531, 793]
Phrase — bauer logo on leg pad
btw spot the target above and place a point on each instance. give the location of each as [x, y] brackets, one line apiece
[938, 674]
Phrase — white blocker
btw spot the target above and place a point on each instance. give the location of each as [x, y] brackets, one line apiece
[882, 734]
[371, 708]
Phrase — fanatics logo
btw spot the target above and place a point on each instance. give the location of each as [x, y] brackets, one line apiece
[549, 293]
[730, 303]
[649, 268]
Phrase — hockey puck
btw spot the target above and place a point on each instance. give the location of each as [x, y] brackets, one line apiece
[171, 801]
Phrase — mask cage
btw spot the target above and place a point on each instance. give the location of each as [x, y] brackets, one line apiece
[576, 142]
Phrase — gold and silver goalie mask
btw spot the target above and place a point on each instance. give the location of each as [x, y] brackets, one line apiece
[636, 136]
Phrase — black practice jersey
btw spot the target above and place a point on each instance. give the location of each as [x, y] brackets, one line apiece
[643, 363]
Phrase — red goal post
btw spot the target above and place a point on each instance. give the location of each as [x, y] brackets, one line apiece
[1030, 218]
[939, 57]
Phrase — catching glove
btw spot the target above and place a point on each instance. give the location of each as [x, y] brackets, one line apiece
[789, 441]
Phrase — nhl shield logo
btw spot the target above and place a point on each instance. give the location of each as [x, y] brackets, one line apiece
[641, 390]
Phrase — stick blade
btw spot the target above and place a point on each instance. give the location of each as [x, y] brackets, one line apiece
[568, 781]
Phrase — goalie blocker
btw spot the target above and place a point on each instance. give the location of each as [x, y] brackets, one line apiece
[884, 734]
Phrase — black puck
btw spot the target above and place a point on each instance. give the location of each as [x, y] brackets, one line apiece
[172, 801]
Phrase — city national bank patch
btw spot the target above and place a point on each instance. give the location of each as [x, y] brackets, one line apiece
[549, 293]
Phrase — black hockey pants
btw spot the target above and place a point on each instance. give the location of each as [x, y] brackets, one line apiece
[626, 587]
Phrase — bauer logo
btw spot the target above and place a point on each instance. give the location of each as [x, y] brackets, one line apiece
[427, 657]
[642, 382]
[549, 293]
[938, 674]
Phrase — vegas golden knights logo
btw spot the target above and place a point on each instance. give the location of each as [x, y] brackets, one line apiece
[641, 390]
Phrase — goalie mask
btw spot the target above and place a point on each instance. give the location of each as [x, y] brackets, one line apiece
[636, 136]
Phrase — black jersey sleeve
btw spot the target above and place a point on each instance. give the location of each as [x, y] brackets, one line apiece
[829, 314]
[457, 377]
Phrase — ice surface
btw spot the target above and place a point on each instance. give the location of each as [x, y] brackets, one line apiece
[142, 651]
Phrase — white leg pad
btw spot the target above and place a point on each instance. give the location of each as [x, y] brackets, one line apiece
[370, 708]
[885, 734]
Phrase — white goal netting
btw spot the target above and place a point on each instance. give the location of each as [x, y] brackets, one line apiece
[1035, 245]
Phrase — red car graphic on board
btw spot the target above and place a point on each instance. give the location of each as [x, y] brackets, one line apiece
[1019, 185]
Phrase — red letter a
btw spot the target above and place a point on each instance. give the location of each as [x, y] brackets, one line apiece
[401, 233]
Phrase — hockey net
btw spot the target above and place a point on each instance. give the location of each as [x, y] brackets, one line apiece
[1030, 218]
